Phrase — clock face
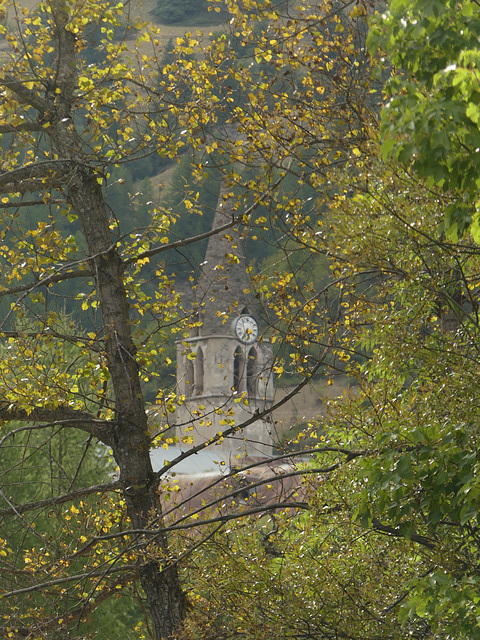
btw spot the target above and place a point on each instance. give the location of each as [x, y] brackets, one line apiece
[246, 329]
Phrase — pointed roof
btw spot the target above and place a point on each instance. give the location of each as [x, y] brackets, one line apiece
[223, 287]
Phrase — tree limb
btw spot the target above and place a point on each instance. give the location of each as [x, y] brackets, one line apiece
[61, 416]
[31, 177]
[68, 497]
[65, 579]
[184, 242]
[24, 95]
[23, 126]
[394, 531]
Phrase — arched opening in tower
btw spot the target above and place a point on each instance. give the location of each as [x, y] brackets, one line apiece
[189, 375]
[199, 370]
[239, 381]
[252, 372]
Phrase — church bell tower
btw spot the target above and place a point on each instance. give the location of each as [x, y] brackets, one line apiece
[224, 369]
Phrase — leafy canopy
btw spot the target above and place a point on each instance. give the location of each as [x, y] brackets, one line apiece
[432, 116]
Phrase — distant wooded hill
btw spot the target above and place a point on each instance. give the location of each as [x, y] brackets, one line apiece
[186, 11]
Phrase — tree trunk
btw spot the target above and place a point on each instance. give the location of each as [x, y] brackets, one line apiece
[76, 172]
[129, 438]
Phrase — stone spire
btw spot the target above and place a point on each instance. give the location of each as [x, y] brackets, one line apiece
[223, 288]
[216, 366]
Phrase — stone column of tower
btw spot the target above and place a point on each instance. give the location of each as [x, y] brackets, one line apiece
[224, 369]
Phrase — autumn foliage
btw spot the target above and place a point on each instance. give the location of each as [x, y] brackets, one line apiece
[357, 272]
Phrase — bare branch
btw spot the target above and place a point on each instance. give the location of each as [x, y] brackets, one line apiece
[32, 203]
[73, 339]
[350, 455]
[196, 523]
